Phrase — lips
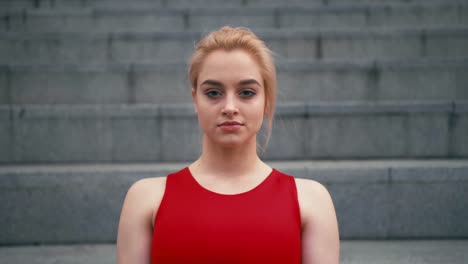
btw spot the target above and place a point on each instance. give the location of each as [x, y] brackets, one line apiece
[230, 123]
[230, 126]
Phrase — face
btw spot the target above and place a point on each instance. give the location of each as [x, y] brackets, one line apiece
[230, 98]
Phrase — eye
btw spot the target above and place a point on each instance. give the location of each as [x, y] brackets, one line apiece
[247, 93]
[213, 93]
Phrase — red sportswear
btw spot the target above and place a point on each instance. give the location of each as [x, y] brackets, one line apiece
[196, 225]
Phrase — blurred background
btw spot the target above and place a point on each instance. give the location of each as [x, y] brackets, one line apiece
[372, 102]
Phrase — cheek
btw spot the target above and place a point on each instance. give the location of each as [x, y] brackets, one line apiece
[205, 118]
[256, 111]
[260, 106]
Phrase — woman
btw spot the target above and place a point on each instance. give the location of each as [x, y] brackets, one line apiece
[229, 206]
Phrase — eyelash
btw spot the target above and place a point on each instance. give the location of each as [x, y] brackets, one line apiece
[251, 93]
[211, 95]
[218, 93]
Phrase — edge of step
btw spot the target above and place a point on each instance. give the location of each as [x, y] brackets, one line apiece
[338, 171]
[283, 65]
[379, 199]
[263, 33]
[351, 251]
[33, 111]
[244, 10]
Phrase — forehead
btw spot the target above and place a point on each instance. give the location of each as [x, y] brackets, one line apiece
[229, 66]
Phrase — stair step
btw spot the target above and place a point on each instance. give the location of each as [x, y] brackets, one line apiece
[159, 47]
[312, 81]
[151, 19]
[381, 199]
[351, 252]
[63, 254]
[15, 5]
[148, 133]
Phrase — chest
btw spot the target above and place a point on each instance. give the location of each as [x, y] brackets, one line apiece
[241, 229]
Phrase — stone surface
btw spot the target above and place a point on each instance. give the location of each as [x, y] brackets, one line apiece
[136, 139]
[429, 198]
[351, 252]
[17, 5]
[4, 85]
[52, 48]
[363, 136]
[6, 145]
[432, 83]
[151, 48]
[428, 135]
[371, 46]
[460, 131]
[62, 140]
[373, 199]
[253, 19]
[108, 20]
[433, 79]
[402, 15]
[359, 206]
[62, 208]
[52, 22]
[362, 193]
[428, 190]
[403, 252]
[446, 46]
[321, 84]
[69, 85]
[161, 84]
[148, 132]
[65, 254]
[339, 61]
[154, 18]
[204, 3]
[322, 18]
[86, 134]
[167, 46]
[287, 138]
[181, 139]
[461, 79]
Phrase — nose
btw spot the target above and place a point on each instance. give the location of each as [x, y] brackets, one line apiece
[230, 106]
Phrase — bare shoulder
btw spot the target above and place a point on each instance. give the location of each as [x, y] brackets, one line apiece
[314, 199]
[148, 187]
[311, 189]
[320, 235]
[147, 194]
[151, 185]
[135, 225]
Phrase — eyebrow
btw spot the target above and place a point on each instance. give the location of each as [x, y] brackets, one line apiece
[243, 82]
[249, 81]
[212, 82]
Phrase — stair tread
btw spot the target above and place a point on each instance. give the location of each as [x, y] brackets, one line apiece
[352, 252]
[310, 164]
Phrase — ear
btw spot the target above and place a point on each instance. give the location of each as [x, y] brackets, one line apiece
[194, 99]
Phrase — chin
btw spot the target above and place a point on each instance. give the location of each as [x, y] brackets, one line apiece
[234, 141]
[230, 140]
[230, 143]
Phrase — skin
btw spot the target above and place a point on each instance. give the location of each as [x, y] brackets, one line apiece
[230, 88]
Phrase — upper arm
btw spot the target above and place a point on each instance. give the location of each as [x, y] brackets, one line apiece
[135, 225]
[320, 237]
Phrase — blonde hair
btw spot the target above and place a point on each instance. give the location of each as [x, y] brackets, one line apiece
[228, 39]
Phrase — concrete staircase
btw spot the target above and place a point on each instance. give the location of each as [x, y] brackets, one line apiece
[373, 102]
[353, 252]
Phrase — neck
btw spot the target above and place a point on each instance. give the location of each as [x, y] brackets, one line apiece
[229, 161]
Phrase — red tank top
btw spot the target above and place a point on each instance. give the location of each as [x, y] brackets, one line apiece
[196, 225]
